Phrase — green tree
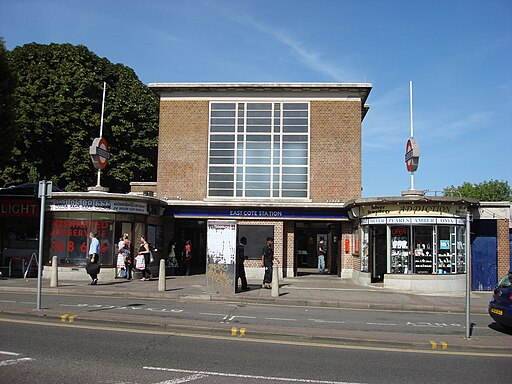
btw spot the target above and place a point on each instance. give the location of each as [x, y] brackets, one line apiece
[7, 88]
[58, 109]
[492, 190]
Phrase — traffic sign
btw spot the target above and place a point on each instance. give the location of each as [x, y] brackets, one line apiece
[99, 153]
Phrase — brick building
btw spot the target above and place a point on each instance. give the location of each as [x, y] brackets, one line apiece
[279, 159]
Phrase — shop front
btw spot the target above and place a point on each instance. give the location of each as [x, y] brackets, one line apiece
[72, 216]
[414, 244]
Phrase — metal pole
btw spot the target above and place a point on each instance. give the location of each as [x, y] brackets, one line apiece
[412, 128]
[468, 276]
[42, 186]
[98, 182]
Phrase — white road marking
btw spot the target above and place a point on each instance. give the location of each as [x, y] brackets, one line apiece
[279, 319]
[9, 353]
[212, 314]
[183, 379]
[380, 324]
[221, 374]
[327, 321]
[15, 361]
[7, 301]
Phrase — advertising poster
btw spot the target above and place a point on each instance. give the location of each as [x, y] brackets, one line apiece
[221, 255]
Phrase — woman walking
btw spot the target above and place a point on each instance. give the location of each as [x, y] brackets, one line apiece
[144, 251]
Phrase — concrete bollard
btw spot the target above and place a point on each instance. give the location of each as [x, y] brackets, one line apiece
[161, 276]
[54, 280]
[275, 279]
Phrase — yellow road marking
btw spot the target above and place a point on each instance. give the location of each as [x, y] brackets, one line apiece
[234, 330]
[444, 345]
[255, 340]
[433, 344]
[242, 332]
[64, 317]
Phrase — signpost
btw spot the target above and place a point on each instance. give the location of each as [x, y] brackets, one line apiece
[44, 191]
[99, 149]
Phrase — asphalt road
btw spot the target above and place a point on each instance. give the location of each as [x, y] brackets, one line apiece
[31, 352]
[261, 315]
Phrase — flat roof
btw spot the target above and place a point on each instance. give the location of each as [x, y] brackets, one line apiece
[362, 89]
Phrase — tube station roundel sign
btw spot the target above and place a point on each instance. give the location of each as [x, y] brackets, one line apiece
[412, 155]
[99, 153]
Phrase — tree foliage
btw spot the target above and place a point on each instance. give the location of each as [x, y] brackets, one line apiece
[7, 88]
[58, 113]
[492, 190]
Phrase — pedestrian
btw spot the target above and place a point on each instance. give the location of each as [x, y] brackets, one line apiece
[93, 265]
[172, 261]
[121, 258]
[128, 256]
[267, 258]
[240, 269]
[187, 257]
[322, 252]
[146, 253]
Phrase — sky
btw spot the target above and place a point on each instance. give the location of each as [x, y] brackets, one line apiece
[456, 53]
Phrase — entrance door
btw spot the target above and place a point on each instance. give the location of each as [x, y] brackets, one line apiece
[378, 253]
[195, 231]
[484, 255]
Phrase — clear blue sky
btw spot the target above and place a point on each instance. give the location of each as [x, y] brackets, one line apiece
[458, 53]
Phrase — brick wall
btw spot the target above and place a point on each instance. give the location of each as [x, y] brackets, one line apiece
[183, 149]
[335, 150]
[503, 244]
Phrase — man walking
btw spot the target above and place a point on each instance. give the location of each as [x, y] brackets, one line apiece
[240, 269]
[322, 252]
[93, 265]
[267, 258]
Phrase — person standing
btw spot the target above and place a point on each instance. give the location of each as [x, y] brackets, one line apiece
[144, 251]
[93, 265]
[172, 262]
[240, 269]
[322, 252]
[267, 258]
[187, 257]
[128, 253]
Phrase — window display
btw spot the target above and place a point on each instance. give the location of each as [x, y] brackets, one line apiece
[400, 254]
[423, 252]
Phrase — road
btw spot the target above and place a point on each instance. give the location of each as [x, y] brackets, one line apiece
[63, 353]
[263, 315]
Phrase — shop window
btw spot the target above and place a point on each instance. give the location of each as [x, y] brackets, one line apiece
[423, 249]
[400, 253]
[256, 236]
[365, 247]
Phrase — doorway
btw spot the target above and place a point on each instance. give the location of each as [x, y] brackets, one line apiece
[195, 231]
[378, 253]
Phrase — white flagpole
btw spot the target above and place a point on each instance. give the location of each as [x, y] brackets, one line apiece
[98, 183]
[412, 128]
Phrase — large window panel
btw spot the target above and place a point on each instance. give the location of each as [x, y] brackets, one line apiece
[272, 143]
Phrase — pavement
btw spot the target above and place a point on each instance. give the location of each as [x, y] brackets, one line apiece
[307, 291]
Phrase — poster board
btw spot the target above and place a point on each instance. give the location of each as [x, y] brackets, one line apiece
[220, 256]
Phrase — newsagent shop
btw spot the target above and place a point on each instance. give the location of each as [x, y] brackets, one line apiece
[413, 243]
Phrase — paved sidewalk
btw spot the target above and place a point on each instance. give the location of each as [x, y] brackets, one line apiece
[311, 290]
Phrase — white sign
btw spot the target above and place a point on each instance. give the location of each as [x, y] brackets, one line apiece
[98, 205]
[221, 241]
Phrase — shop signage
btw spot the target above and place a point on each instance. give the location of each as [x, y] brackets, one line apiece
[376, 210]
[414, 220]
[256, 213]
[18, 208]
[98, 206]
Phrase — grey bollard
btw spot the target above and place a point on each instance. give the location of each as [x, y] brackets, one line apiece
[54, 280]
[275, 279]
[161, 276]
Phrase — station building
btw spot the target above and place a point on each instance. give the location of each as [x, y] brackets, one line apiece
[282, 160]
